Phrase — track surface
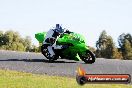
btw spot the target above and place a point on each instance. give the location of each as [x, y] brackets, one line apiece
[36, 63]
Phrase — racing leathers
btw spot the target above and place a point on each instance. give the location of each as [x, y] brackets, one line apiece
[50, 40]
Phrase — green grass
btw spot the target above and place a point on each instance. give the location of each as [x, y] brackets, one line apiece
[14, 79]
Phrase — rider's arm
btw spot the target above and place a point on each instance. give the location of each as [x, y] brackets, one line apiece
[66, 32]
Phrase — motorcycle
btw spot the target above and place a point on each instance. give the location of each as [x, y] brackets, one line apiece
[77, 49]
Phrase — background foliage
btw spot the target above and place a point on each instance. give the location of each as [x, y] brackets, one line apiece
[105, 46]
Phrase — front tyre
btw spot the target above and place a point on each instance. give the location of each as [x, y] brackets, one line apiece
[89, 57]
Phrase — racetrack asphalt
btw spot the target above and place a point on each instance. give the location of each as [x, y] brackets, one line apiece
[36, 63]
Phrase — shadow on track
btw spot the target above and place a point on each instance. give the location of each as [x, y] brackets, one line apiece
[36, 60]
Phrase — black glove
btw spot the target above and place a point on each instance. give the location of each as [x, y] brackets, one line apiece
[68, 32]
[65, 46]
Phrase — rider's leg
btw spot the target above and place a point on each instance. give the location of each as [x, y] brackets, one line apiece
[50, 49]
[57, 46]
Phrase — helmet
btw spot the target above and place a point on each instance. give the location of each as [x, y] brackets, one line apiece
[59, 29]
[57, 26]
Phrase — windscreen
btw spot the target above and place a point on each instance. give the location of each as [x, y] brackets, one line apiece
[77, 37]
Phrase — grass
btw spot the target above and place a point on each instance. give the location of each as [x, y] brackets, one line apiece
[14, 79]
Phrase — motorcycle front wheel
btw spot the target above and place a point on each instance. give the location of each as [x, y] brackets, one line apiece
[88, 57]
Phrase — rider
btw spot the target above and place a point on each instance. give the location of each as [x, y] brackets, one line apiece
[51, 38]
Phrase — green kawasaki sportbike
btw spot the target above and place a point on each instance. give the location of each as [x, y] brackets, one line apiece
[78, 50]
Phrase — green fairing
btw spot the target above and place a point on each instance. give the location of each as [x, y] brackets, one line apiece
[40, 36]
[73, 52]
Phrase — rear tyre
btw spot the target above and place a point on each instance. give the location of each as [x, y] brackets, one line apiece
[89, 57]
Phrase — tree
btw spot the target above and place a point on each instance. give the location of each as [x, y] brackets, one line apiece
[34, 48]
[101, 43]
[128, 50]
[9, 36]
[106, 47]
[14, 46]
[125, 43]
[20, 47]
[27, 43]
[1, 38]
[11, 40]
[16, 37]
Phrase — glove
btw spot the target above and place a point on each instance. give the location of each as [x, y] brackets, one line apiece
[67, 31]
[65, 46]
